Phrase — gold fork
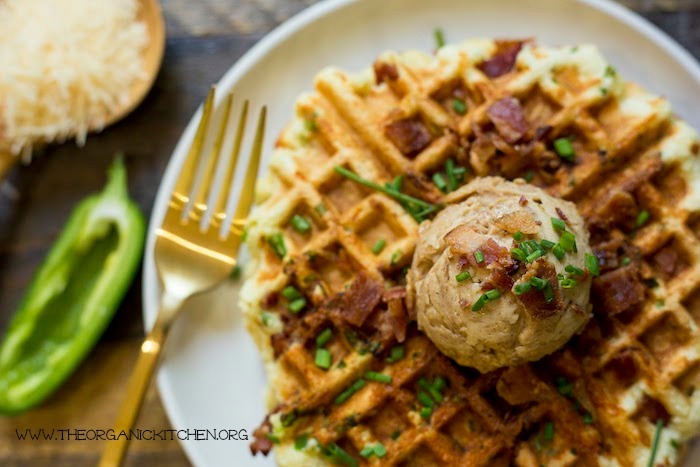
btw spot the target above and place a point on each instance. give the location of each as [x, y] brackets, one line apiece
[195, 249]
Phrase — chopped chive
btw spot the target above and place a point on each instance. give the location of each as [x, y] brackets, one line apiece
[395, 256]
[320, 208]
[459, 171]
[548, 293]
[276, 242]
[395, 354]
[378, 377]
[323, 338]
[518, 254]
[397, 183]
[347, 393]
[463, 276]
[568, 283]
[425, 399]
[310, 124]
[300, 223]
[439, 181]
[395, 435]
[529, 176]
[571, 269]
[547, 244]
[565, 149]
[655, 444]
[273, 438]
[235, 272]
[493, 294]
[426, 412]
[435, 394]
[558, 224]
[451, 175]
[479, 255]
[675, 444]
[518, 235]
[439, 383]
[480, 303]
[548, 431]
[367, 451]
[534, 246]
[522, 288]
[297, 305]
[379, 450]
[291, 293]
[642, 218]
[379, 246]
[660, 304]
[538, 283]
[340, 455]
[534, 255]
[558, 251]
[564, 387]
[587, 418]
[301, 441]
[459, 106]
[288, 419]
[592, 264]
[439, 38]
[625, 261]
[568, 242]
[323, 358]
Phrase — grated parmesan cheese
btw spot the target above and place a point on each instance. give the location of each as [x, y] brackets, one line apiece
[65, 66]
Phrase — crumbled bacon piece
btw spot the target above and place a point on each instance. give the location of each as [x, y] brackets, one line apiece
[523, 201]
[522, 221]
[498, 279]
[495, 253]
[384, 71]
[398, 319]
[261, 443]
[534, 301]
[617, 291]
[618, 209]
[504, 59]
[409, 135]
[358, 302]
[508, 117]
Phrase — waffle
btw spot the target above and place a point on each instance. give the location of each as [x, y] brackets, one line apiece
[625, 384]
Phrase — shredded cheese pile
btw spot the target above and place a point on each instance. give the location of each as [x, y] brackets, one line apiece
[65, 66]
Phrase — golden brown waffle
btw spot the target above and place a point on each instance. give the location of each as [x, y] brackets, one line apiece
[635, 179]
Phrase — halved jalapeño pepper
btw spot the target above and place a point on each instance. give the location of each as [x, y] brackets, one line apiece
[73, 295]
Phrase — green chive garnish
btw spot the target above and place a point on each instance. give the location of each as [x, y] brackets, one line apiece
[655, 444]
[425, 399]
[549, 431]
[568, 242]
[642, 218]
[352, 389]
[300, 224]
[587, 418]
[547, 245]
[297, 305]
[235, 272]
[395, 354]
[377, 449]
[558, 224]
[439, 383]
[479, 255]
[395, 256]
[276, 242]
[340, 455]
[301, 441]
[395, 435]
[323, 338]
[459, 106]
[529, 176]
[426, 412]
[379, 246]
[480, 303]
[568, 283]
[493, 294]
[378, 377]
[564, 386]
[592, 264]
[451, 174]
[320, 208]
[518, 235]
[534, 255]
[439, 181]
[522, 288]
[538, 283]
[565, 149]
[291, 293]
[558, 251]
[439, 38]
[548, 293]
[571, 269]
[323, 358]
[518, 254]
[463, 276]
[625, 261]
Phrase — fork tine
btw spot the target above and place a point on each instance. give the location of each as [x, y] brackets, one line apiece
[187, 172]
[213, 157]
[220, 209]
[251, 175]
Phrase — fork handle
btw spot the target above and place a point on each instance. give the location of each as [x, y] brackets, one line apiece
[139, 381]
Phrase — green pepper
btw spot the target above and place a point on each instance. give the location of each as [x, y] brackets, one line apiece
[73, 296]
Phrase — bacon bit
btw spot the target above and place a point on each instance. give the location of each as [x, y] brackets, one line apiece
[498, 279]
[359, 301]
[523, 201]
[534, 301]
[394, 293]
[617, 291]
[508, 117]
[668, 262]
[280, 343]
[396, 314]
[409, 135]
[463, 262]
[504, 59]
[495, 253]
[382, 71]
[463, 303]
[562, 216]
[261, 444]
[455, 239]
[518, 221]
[270, 300]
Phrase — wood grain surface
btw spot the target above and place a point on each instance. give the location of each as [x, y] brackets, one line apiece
[204, 38]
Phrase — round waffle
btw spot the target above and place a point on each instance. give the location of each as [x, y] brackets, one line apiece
[325, 299]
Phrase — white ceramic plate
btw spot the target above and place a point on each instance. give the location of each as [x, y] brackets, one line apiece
[212, 377]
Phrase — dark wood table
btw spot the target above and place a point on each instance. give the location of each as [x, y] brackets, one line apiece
[204, 39]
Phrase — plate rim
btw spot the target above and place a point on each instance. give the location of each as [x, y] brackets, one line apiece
[271, 40]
